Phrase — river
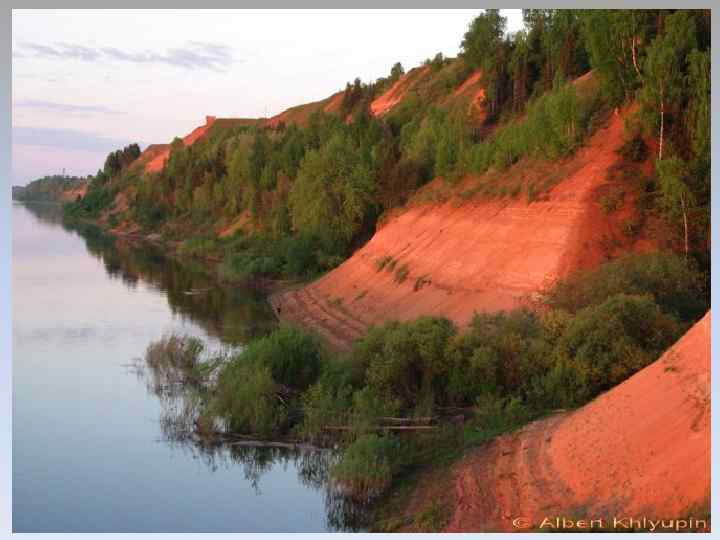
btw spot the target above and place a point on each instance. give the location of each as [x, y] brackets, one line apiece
[90, 450]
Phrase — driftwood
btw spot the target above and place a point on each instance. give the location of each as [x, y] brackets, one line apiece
[271, 444]
[391, 428]
[395, 420]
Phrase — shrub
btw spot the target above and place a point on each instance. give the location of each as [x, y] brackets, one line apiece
[366, 468]
[421, 281]
[495, 355]
[634, 149]
[324, 404]
[255, 389]
[382, 262]
[173, 360]
[631, 227]
[565, 385]
[406, 360]
[495, 414]
[612, 201]
[199, 246]
[618, 337]
[401, 273]
[433, 518]
[531, 193]
[293, 356]
[248, 400]
[676, 284]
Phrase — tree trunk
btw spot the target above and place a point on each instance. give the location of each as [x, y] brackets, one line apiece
[685, 223]
[634, 56]
[662, 127]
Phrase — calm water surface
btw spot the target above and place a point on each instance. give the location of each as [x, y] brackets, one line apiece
[90, 452]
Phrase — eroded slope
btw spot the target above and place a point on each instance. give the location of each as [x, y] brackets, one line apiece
[640, 450]
[479, 254]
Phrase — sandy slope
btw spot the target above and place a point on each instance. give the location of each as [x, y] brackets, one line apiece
[155, 155]
[394, 95]
[641, 449]
[483, 255]
[158, 161]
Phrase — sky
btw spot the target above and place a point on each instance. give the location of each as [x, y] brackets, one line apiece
[87, 82]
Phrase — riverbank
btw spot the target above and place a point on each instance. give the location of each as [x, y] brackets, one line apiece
[290, 387]
[174, 248]
[83, 308]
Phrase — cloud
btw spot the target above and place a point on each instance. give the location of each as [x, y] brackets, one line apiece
[66, 138]
[195, 55]
[64, 107]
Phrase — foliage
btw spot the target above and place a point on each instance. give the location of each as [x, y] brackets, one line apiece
[255, 389]
[47, 188]
[634, 149]
[676, 284]
[614, 339]
[366, 467]
[332, 194]
[248, 399]
[406, 361]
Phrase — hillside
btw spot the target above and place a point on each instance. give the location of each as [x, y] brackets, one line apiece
[155, 156]
[641, 449]
[479, 254]
[488, 240]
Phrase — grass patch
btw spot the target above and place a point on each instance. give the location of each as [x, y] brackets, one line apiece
[402, 273]
[612, 201]
[382, 262]
[421, 281]
[434, 518]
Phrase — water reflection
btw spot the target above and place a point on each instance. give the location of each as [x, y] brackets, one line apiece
[182, 401]
[232, 314]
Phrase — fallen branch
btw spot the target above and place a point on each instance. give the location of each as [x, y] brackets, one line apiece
[391, 428]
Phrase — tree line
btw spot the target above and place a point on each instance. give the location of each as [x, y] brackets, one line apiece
[315, 191]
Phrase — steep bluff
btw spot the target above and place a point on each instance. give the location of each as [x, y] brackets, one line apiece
[640, 450]
[463, 256]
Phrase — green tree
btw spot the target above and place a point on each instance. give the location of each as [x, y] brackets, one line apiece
[677, 195]
[332, 193]
[665, 67]
[396, 72]
[483, 47]
[614, 39]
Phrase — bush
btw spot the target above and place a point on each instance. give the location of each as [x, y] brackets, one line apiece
[495, 355]
[615, 339]
[382, 262]
[495, 415]
[676, 284]
[174, 360]
[612, 201]
[401, 273]
[366, 468]
[634, 149]
[324, 404]
[199, 246]
[293, 356]
[406, 360]
[565, 385]
[248, 400]
[256, 389]
[421, 281]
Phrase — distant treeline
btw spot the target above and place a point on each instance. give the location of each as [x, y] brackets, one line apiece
[48, 188]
